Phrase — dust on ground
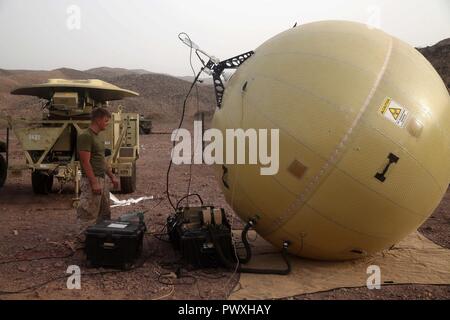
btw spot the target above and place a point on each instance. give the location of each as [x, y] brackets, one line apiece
[37, 226]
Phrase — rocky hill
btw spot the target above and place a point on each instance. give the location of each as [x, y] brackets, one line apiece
[161, 95]
[439, 56]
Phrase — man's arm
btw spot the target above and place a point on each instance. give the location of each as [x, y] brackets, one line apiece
[85, 157]
[111, 175]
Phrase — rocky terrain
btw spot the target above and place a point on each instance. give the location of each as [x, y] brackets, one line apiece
[439, 57]
[160, 95]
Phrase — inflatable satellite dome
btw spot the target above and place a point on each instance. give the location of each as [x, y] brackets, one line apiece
[364, 146]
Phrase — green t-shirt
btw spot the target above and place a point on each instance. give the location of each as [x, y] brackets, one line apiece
[91, 142]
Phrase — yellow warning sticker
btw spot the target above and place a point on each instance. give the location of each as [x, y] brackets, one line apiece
[394, 112]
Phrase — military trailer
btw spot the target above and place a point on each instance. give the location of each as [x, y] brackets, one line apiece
[49, 144]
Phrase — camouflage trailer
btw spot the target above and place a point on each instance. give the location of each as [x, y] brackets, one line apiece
[49, 145]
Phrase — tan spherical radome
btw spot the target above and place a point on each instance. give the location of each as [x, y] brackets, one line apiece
[364, 139]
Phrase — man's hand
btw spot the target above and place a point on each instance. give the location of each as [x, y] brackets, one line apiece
[111, 175]
[115, 182]
[96, 187]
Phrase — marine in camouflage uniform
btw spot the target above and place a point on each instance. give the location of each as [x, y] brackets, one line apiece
[94, 198]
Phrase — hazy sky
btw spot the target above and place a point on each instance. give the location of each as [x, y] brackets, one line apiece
[48, 34]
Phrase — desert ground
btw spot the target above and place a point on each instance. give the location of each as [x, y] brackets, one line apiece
[37, 234]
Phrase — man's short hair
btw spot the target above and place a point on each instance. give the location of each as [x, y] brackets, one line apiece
[98, 113]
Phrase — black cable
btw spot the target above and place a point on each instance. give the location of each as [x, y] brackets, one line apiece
[159, 237]
[162, 276]
[187, 196]
[179, 265]
[248, 250]
[207, 276]
[40, 258]
[179, 126]
[168, 265]
[231, 265]
[3, 292]
[160, 233]
[194, 83]
[196, 93]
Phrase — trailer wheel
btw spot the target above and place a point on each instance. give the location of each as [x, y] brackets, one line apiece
[42, 182]
[3, 171]
[128, 184]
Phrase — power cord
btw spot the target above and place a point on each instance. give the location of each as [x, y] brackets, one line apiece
[179, 126]
[194, 84]
[5, 292]
[187, 196]
[40, 258]
[198, 109]
[24, 290]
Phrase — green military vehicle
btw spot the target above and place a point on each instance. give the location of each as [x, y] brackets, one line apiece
[49, 145]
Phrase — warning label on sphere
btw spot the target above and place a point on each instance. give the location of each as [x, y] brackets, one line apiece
[394, 112]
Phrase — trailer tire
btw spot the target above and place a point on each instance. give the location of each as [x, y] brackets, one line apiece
[3, 171]
[42, 182]
[128, 184]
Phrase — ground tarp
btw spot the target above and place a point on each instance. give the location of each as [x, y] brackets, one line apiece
[415, 260]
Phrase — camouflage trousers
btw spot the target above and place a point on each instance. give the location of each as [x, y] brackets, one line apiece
[93, 207]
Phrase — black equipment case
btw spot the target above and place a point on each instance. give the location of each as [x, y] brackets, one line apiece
[190, 232]
[114, 243]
